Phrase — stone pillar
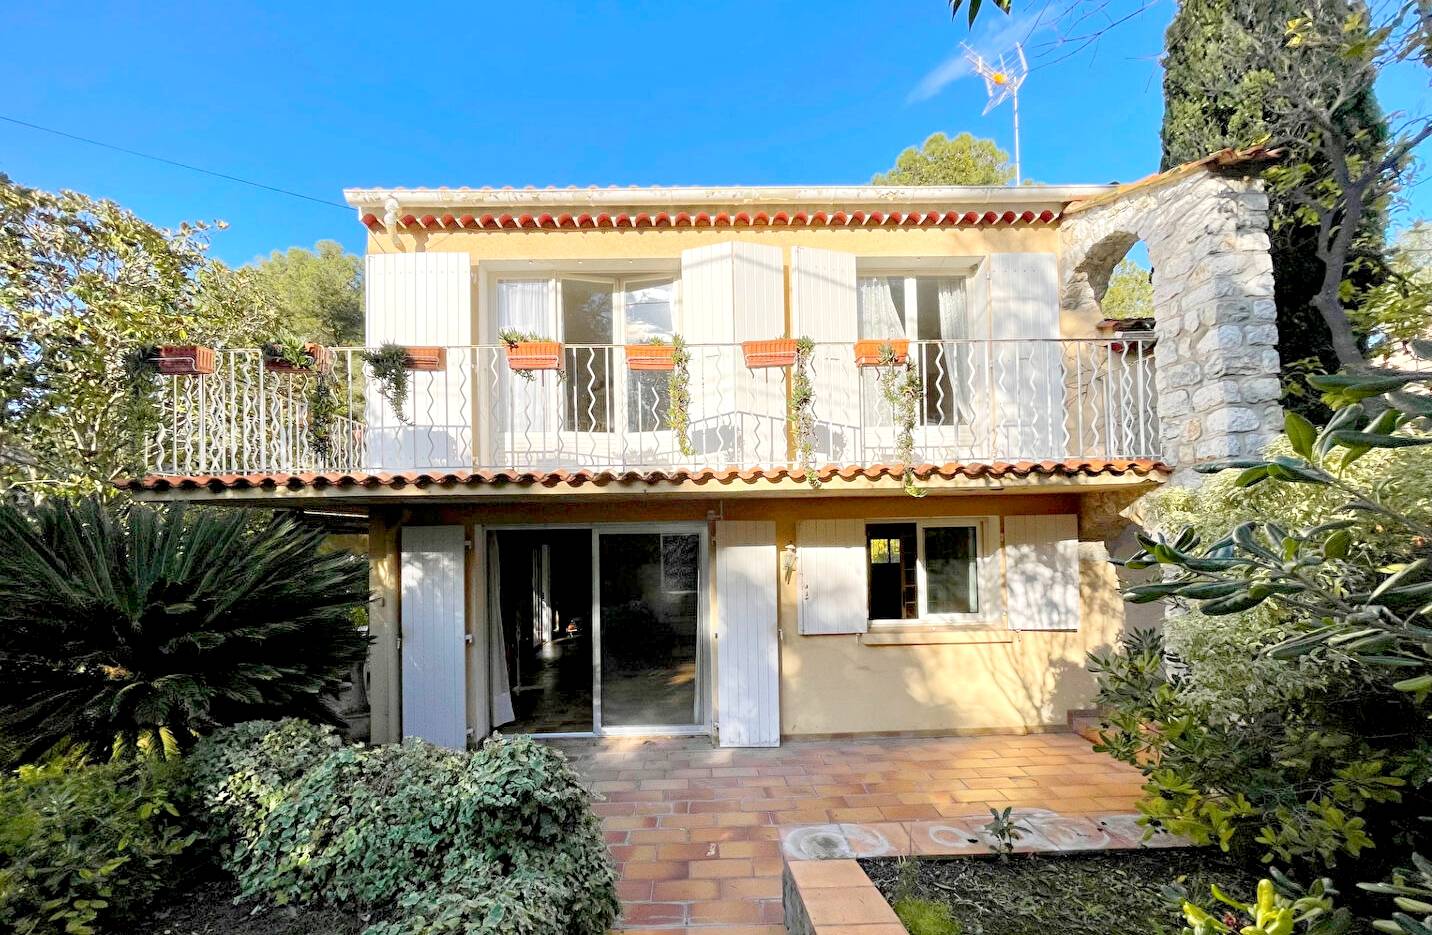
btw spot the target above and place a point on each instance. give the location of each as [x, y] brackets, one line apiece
[1216, 359]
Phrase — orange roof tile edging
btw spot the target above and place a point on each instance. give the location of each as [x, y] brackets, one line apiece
[296, 481]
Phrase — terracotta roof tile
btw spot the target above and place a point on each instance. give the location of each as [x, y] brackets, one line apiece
[718, 219]
[583, 477]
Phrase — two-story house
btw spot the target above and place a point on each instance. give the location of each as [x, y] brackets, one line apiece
[603, 533]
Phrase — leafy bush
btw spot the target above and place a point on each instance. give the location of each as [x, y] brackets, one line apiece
[926, 917]
[1284, 708]
[501, 839]
[239, 774]
[84, 846]
[133, 626]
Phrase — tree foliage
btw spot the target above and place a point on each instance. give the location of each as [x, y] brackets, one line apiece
[1225, 66]
[1130, 293]
[82, 282]
[130, 627]
[1398, 311]
[940, 160]
[1285, 710]
[317, 293]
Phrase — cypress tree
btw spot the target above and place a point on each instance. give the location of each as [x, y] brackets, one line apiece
[1218, 93]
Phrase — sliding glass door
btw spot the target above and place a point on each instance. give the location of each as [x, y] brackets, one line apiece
[652, 668]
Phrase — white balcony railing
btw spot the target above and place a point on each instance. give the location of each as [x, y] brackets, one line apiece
[980, 401]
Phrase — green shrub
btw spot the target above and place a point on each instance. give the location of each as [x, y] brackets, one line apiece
[1284, 709]
[129, 625]
[84, 847]
[501, 839]
[239, 774]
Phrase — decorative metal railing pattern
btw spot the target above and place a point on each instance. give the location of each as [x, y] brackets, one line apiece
[978, 401]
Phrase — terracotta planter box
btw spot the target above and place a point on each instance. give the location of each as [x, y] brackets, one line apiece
[535, 355]
[650, 357]
[185, 360]
[780, 352]
[1141, 328]
[868, 353]
[322, 361]
[425, 359]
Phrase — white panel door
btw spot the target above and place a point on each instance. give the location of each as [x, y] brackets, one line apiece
[747, 644]
[823, 308]
[1028, 362]
[833, 573]
[421, 299]
[433, 638]
[759, 296]
[1041, 560]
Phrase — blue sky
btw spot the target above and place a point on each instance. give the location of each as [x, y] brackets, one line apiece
[313, 98]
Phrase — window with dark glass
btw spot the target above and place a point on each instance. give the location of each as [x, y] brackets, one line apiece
[894, 584]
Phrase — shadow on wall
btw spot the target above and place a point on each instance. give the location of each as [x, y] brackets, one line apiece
[997, 680]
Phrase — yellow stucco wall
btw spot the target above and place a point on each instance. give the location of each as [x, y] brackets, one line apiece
[997, 679]
[615, 246]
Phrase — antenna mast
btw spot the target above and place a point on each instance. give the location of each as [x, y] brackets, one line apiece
[1002, 82]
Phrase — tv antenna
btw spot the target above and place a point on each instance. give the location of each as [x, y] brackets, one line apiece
[1002, 83]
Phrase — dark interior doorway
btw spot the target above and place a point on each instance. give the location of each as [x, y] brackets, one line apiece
[545, 605]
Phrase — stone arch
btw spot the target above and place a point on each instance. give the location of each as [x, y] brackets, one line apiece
[1216, 358]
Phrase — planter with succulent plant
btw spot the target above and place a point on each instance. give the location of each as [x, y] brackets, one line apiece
[287, 354]
[527, 353]
[651, 354]
[802, 413]
[778, 352]
[871, 352]
[184, 360]
[900, 386]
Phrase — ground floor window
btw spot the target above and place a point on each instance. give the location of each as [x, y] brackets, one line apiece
[925, 570]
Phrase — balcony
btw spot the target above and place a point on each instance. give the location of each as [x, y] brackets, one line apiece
[977, 401]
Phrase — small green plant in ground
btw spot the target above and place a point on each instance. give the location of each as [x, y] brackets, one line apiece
[85, 847]
[1004, 831]
[926, 917]
[389, 363]
[125, 626]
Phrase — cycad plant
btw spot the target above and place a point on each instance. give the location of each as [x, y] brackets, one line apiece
[132, 627]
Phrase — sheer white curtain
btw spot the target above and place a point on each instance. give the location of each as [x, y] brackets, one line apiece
[955, 326]
[879, 313]
[526, 406]
[499, 686]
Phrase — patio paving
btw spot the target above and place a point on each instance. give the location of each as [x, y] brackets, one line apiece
[697, 832]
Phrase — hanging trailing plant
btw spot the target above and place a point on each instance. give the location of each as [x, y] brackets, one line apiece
[389, 364]
[323, 409]
[141, 409]
[900, 385]
[801, 415]
[678, 392]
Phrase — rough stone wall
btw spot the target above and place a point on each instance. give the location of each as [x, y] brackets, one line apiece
[1216, 358]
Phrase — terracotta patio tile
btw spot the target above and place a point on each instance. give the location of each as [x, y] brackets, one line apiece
[654, 870]
[726, 911]
[685, 890]
[653, 913]
[849, 907]
[719, 869]
[823, 873]
[749, 887]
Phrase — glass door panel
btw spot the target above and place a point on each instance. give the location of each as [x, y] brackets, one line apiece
[646, 315]
[587, 309]
[648, 602]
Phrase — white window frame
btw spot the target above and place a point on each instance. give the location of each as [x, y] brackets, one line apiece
[987, 572]
[912, 296]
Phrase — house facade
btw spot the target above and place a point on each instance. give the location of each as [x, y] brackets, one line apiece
[618, 497]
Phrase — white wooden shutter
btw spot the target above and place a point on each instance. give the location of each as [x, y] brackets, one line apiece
[1041, 561]
[1028, 370]
[434, 647]
[823, 308]
[748, 651]
[832, 564]
[422, 299]
[732, 292]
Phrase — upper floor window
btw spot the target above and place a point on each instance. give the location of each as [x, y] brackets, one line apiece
[594, 315]
[927, 308]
